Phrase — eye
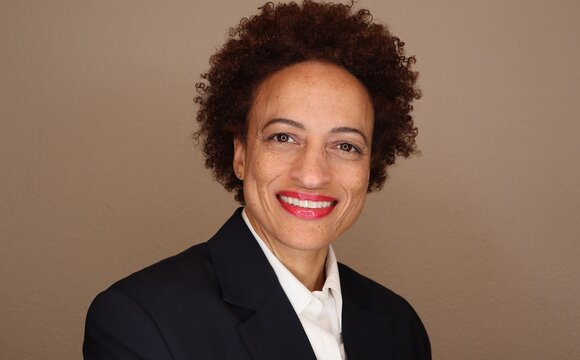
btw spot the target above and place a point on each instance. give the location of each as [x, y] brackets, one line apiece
[283, 138]
[348, 147]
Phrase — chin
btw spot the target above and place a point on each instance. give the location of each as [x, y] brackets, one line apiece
[309, 242]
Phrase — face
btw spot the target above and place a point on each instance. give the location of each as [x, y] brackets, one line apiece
[305, 161]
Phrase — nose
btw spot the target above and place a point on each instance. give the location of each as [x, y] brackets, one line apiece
[311, 168]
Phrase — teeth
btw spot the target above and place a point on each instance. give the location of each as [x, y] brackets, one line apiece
[306, 203]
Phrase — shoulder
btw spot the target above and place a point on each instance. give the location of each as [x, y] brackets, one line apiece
[169, 286]
[190, 267]
[141, 313]
[366, 291]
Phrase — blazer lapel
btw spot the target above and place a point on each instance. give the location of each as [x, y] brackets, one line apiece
[365, 333]
[273, 330]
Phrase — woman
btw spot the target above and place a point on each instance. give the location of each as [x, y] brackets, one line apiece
[301, 112]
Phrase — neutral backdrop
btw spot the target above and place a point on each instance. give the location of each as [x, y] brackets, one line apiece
[100, 177]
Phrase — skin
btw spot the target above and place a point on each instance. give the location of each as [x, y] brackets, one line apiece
[309, 132]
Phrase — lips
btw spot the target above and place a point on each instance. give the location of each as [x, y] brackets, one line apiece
[306, 206]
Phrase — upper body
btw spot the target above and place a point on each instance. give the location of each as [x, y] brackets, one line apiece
[302, 111]
[221, 300]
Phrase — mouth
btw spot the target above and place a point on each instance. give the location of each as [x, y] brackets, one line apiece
[306, 206]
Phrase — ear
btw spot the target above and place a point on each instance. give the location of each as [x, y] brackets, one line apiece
[239, 157]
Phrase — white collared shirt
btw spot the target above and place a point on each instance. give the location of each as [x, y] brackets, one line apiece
[318, 311]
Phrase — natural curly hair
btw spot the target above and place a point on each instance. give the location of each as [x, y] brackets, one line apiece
[285, 34]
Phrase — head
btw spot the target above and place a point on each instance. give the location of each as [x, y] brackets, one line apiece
[285, 34]
[302, 48]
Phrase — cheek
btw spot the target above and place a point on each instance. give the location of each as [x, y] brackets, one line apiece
[265, 169]
[356, 180]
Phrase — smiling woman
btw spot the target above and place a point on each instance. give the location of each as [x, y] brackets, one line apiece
[301, 112]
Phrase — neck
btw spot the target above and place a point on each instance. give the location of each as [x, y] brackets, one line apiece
[308, 266]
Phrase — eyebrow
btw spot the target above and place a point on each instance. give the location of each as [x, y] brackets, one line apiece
[346, 129]
[296, 124]
[292, 123]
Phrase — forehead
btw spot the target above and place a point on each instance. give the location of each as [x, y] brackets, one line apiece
[313, 92]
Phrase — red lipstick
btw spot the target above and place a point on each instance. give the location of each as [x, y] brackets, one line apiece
[289, 199]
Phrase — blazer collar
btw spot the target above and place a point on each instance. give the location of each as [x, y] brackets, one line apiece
[243, 271]
[247, 280]
[365, 333]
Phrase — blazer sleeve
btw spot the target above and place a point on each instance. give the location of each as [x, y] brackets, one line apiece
[119, 327]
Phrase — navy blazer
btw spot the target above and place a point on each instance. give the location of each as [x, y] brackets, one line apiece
[222, 300]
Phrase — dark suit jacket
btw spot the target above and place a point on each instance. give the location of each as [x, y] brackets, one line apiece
[221, 300]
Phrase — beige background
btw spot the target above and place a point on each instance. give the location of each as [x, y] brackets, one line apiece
[99, 176]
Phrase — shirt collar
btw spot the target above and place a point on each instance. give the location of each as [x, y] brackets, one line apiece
[297, 293]
[332, 283]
